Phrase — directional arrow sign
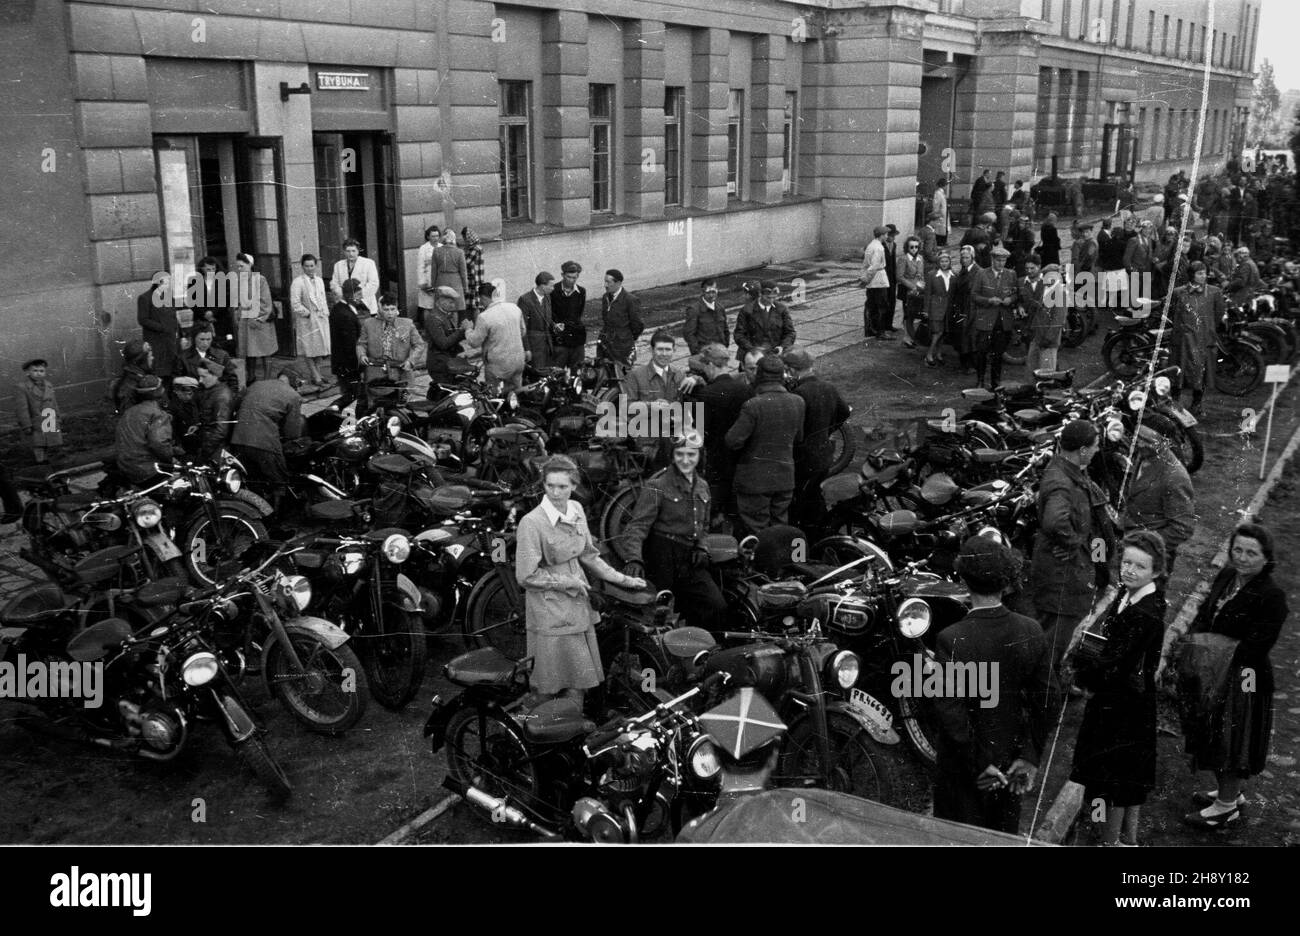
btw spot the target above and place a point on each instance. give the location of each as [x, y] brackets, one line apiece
[689, 244]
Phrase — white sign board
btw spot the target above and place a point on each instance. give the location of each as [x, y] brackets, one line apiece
[1277, 373]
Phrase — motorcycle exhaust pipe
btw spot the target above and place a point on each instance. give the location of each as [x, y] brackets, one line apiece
[500, 809]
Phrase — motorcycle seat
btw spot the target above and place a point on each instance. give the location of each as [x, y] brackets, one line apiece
[164, 591]
[104, 565]
[815, 570]
[486, 667]
[978, 395]
[68, 503]
[685, 643]
[1052, 375]
[988, 456]
[392, 463]
[554, 721]
[95, 642]
[38, 615]
[1127, 321]
[449, 499]
[1013, 388]
[378, 536]
[1031, 417]
[333, 511]
[637, 598]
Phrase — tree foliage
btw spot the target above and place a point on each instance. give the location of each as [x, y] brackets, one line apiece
[1266, 126]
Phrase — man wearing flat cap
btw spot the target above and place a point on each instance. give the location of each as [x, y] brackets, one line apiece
[994, 296]
[144, 434]
[1075, 536]
[765, 434]
[824, 412]
[988, 754]
[764, 323]
[1159, 495]
[445, 336]
[721, 394]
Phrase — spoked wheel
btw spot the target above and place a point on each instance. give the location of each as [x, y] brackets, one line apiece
[1125, 354]
[1076, 328]
[394, 654]
[257, 758]
[1239, 369]
[213, 550]
[1272, 340]
[486, 751]
[857, 764]
[843, 445]
[494, 619]
[615, 518]
[329, 695]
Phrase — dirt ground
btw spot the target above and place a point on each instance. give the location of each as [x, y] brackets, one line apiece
[361, 787]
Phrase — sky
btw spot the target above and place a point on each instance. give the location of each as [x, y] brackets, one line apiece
[1279, 25]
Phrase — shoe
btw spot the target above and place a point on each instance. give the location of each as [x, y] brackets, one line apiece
[909, 343]
[1221, 820]
[930, 362]
[1201, 800]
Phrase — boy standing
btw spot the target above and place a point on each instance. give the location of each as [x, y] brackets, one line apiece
[38, 411]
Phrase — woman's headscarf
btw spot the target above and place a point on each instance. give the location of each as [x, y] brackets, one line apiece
[134, 354]
[469, 237]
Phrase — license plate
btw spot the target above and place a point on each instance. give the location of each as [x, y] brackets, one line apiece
[164, 547]
[1184, 416]
[865, 705]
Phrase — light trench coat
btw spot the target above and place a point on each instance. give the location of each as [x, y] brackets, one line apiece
[311, 316]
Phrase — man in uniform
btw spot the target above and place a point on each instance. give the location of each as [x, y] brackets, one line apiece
[183, 407]
[665, 539]
[144, 434]
[824, 412]
[1159, 495]
[764, 323]
[386, 344]
[769, 427]
[1195, 310]
[994, 294]
[270, 411]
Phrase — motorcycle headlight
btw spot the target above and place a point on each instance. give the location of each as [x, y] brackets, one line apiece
[1163, 386]
[298, 588]
[703, 758]
[234, 480]
[353, 561]
[512, 400]
[913, 618]
[394, 426]
[147, 514]
[200, 669]
[461, 400]
[845, 666]
[1115, 430]
[1136, 400]
[397, 548]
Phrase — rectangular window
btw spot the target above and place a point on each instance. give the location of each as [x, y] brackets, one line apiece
[674, 105]
[1114, 23]
[1065, 18]
[600, 109]
[790, 128]
[1151, 30]
[1083, 21]
[735, 136]
[1201, 57]
[515, 151]
[1169, 133]
[1128, 30]
[1155, 133]
[1178, 40]
[1232, 54]
[1047, 10]
[1164, 38]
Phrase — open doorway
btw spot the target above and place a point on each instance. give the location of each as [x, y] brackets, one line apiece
[356, 197]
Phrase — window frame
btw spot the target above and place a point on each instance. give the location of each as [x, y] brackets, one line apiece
[510, 129]
[674, 169]
[790, 144]
[735, 142]
[596, 123]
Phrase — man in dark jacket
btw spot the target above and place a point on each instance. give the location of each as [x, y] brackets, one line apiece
[982, 238]
[990, 742]
[144, 434]
[269, 412]
[961, 320]
[1075, 536]
[824, 412]
[538, 323]
[994, 294]
[1159, 496]
[195, 360]
[445, 337]
[345, 331]
[765, 434]
[156, 314]
[706, 320]
[764, 323]
[216, 404]
[568, 303]
[721, 395]
[621, 322]
[665, 539]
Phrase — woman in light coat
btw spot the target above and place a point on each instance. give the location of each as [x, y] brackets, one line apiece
[311, 317]
[449, 268]
[428, 293]
[256, 313]
[363, 270]
[554, 549]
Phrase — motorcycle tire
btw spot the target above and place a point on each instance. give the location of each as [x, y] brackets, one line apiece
[1076, 328]
[487, 751]
[980, 433]
[394, 652]
[258, 759]
[1292, 336]
[615, 518]
[1272, 342]
[1184, 441]
[493, 619]
[843, 445]
[322, 684]
[859, 765]
[1238, 368]
[237, 532]
[1120, 353]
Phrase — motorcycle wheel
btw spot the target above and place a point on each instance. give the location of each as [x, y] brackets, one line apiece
[1272, 342]
[858, 764]
[1238, 369]
[615, 518]
[317, 697]
[486, 751]
[1186, 444]
[257, 758]
[211, 555]
[1076, 328]
[394, 654]
[1121, 351]
[843, 445]
[492, 619]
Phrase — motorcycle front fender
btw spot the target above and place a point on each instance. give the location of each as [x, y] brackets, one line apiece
[235, 717]
[259, 504]
[866, 713]
[412, 598]
[327, 632]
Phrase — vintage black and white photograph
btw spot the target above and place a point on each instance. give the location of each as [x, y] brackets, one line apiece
[571, 422]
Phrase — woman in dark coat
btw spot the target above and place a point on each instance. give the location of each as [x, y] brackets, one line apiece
[1050, 240]
[1244, 603]
[1115, 755]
